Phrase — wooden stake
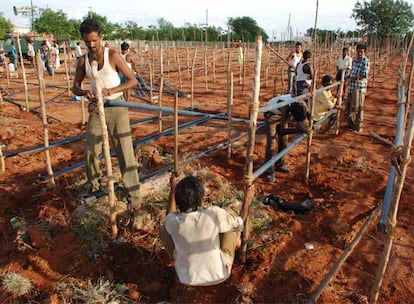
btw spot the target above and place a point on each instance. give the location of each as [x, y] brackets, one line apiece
[6, 62]
[192, 77]
[214, 66]
[23, 73]
[161, 89]
[205, 69]
[229, 112]
[248, 168]
[308, 152]
[340, 97]
[2, 162]
[177, 58]
[176, 134]
[44, 118]
[66, 70]
[106, 148]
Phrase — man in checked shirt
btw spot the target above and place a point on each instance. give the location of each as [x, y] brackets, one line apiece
[358, 82]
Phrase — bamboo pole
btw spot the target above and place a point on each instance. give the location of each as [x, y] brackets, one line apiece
[177, 58]
[308, 149]
[44, 118]
[106, 149]
[176, 162]
[392, 218]
[205, 69]
[340, 97]
[7, 61]
[188, 62]
[244, 69]
[82, 102]
[248, 168]
[229, 112]
[214, 66]
[2, 161]
[23, 73]
[161, 89]
[151, 81]
[65, 62]
[267, 68]
[192, 77]
[277, 54]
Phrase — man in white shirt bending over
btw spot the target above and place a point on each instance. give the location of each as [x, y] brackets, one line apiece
[202, 241]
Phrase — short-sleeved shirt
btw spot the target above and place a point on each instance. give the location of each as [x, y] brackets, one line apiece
[198, 258]
[360, 67]
[344, 63]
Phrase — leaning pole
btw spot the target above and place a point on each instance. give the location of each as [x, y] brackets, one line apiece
[248, 167]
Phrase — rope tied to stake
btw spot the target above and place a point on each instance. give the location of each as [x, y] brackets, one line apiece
[397, 158]
[254, 107]
[249, 178]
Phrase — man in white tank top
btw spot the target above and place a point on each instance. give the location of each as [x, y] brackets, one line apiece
[129, 59]
[294, 58]
[109, 64]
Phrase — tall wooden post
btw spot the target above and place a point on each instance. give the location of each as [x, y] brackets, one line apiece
[176, 134]
[161, 89]
[106, 149]
[44, 118]
[192, 78]
[248, 167]
[65, 62]
[308, 152]
[229, 111]
[23, 73]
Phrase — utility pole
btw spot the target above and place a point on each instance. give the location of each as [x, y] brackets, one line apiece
[206, 25]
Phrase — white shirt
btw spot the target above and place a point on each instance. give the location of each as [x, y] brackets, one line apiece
[276, 100]
[78, 51]
[107, 75]
[295, 60]
[198, 258]
[302, 76]
[344, 63]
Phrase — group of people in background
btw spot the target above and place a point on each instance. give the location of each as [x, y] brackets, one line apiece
[354, 73]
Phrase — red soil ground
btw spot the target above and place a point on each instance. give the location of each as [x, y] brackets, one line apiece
[348, 176]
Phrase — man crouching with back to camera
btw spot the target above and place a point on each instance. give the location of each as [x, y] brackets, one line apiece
[202, 241]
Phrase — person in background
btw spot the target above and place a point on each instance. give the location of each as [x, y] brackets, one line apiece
[275, 122]
[300, 109]
[78, 51]
[45, 55]
[129, 59]
[293, 58]
[13, 55]
[117, 119]
[201, 241]
[343, 64]
[31, 52]
[304, 74]
[358, 82]
[324, 101]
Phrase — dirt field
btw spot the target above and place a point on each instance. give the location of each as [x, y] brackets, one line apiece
[348, 177]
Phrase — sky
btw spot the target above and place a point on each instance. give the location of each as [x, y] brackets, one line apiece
[272, 16]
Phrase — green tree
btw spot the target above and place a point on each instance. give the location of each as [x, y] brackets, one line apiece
[51, 22]
[246, 29]
[5, 26]
[384, 17]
